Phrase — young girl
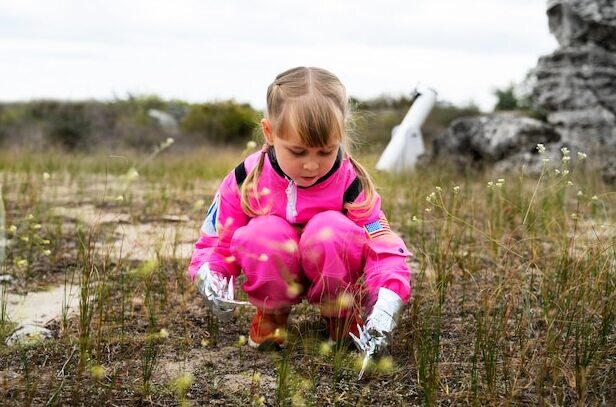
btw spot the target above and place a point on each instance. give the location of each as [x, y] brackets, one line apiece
[302, 219]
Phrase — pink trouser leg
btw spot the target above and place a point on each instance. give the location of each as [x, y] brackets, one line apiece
[267, 250]
[332, 257]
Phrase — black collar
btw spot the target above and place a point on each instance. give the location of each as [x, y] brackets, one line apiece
[272, 157]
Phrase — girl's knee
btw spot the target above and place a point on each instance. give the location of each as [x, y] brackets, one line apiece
[331, 227]
[267, 232]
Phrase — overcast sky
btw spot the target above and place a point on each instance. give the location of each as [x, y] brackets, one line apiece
[205, 50]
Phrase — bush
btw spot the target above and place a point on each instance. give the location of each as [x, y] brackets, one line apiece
[221, 123]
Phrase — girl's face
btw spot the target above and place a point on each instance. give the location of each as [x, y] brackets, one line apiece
[303, 164]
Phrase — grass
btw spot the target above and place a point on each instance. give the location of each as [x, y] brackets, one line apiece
[513, 302]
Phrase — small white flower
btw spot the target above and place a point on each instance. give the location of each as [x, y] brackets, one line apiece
[12, 228]
[541, 148]
[169, 141]
[565, 172]
[163, 333]
[566, 158]
[569, 183]
[490, 184]
[46, 176]
[456, 189]
[47, 252]
[119, 198]
[501, 180]
[499, 185]
[580, 193]
[557, 171]
[595, 198]
[132, 173]
[438, 189]
[574, 216]
[581, 156]
[414, 219]
[546, 160]
[565, 151]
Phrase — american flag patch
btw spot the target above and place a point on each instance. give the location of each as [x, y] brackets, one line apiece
[378, 228]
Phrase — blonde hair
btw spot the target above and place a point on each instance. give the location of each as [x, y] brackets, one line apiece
[312, 103]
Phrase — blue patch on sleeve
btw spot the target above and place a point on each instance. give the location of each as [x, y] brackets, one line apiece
[209, 226]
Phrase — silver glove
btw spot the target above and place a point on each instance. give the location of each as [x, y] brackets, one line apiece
[216, 291]
[376, 334]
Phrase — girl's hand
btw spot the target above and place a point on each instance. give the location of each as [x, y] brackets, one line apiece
[215, 289]
[375, 336]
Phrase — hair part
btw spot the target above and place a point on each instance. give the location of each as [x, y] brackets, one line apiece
[312, 103]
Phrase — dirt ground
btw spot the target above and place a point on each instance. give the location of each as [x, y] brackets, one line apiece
[105, 359]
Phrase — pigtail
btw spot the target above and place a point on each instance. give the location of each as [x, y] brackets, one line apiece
[250, 184]
[367, 185]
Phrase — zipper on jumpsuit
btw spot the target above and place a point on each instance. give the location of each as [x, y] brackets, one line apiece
[291, 192]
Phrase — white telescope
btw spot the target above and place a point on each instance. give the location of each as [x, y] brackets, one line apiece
[406, 142]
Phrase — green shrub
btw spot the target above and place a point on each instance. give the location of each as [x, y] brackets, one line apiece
[222, 123]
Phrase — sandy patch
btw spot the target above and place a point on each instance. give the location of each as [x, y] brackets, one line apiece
[39, 308]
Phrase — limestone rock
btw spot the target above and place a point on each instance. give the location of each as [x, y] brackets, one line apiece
[578, 22]
[481, 140]
[575, 86]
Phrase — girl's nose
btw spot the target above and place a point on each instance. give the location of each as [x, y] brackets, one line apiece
[311, 166]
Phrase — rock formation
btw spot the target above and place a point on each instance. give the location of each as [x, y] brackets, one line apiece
[487, 140]
[576, 84]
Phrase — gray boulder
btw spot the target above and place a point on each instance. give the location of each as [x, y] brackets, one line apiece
[486, 140]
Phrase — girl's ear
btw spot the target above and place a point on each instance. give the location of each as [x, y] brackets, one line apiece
[267, 131]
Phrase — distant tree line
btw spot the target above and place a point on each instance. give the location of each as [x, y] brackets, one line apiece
[141, 122]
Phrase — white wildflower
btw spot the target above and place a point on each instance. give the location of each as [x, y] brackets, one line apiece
[581, 156]
[541, 148]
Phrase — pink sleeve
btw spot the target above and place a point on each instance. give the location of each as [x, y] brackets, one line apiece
[222, 219]
[386, 254]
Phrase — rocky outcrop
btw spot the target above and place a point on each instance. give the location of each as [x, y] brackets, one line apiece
[486, 140]
[575, 84]
[576, 23]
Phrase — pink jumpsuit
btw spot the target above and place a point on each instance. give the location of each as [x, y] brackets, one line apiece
[305, 245]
